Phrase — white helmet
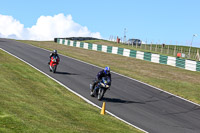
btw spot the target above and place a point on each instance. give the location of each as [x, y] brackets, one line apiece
[55, 51]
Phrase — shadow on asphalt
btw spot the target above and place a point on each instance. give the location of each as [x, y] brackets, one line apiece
[116, 100]
[65, 73]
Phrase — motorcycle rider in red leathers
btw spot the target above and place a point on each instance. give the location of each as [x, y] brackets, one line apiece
[54, 53]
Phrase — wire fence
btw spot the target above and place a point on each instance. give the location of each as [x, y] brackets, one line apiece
[171, 50]
[185, 52]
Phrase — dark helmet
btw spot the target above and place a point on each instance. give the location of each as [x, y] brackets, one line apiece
[55, 51]
[107, 70]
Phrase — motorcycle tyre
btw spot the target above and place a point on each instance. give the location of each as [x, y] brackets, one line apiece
[50, 68]
[92, 92]
[100, 94]
[54, 69]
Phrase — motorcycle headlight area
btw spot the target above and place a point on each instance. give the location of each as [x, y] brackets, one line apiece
[102, 84]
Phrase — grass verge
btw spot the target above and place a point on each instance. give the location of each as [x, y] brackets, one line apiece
[31, 102]
[175, 80]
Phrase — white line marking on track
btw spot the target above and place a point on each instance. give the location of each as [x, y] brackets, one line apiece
[85, 99]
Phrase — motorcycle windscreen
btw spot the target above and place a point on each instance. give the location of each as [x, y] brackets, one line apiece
[106, 80]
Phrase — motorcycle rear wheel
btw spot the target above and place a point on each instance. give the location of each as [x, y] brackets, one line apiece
[92, 92]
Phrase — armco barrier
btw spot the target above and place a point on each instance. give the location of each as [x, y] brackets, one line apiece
[198, 66]
[156, 58]
[163, 59]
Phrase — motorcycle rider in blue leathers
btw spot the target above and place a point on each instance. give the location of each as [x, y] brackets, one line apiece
[103, 73]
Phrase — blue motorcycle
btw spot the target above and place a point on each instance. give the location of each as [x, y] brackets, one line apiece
[100, 88]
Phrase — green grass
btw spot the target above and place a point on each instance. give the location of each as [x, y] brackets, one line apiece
[30, 102]
[178, 81]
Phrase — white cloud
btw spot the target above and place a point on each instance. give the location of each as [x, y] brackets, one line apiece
[10, 27]
[46, 28]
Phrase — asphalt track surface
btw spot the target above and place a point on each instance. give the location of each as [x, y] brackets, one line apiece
[141, 105]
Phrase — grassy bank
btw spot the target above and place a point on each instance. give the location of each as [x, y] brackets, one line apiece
[31, 102]
[178, 81]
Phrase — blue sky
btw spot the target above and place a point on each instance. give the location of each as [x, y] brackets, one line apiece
[169, 21]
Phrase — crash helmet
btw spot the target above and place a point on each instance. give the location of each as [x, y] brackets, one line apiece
[107, 70]
[55, 51]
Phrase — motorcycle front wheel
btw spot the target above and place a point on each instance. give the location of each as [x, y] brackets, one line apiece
[100, 94]
[54, 68]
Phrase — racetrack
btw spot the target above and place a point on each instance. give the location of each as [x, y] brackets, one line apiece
[144, 106]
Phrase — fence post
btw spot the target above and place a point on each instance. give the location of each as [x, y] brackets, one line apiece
[184, 52]
[151, 46]
[191, 53]
[156, 48]
[174, 50]
[197, 55]
[168, 50]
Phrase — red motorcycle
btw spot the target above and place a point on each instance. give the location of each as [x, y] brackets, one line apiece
[53, 63]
